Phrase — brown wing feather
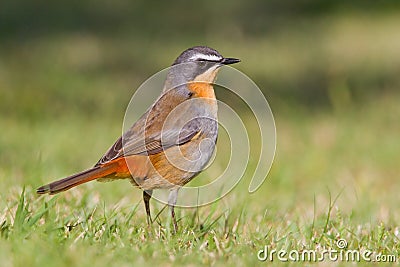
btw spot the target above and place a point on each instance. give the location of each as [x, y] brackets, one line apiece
[148, 147]
[112, 152]
[155, 145]
[144, 137]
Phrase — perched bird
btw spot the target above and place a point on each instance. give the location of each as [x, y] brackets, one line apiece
[169, 144]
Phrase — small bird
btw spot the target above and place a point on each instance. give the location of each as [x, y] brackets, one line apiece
[172, 141]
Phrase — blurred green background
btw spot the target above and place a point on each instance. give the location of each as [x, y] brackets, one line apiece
[316, 54]
[329, 69]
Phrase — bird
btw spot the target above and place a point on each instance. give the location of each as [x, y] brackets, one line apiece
[172, 141]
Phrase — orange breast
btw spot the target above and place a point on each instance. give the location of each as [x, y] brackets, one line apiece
[202, 89]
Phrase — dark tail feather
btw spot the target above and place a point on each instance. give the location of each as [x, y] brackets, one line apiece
[76, 179]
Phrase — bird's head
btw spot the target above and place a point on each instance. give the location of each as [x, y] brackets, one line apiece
[199, 63]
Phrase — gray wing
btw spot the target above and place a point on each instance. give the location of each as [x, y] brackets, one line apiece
[145, 138]
[137, 144]
[156, 144]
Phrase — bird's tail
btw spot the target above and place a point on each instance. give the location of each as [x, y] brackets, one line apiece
[77, 179]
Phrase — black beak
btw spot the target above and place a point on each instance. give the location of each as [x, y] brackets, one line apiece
[229, 60]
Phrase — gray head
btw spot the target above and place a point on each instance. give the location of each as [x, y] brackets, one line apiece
[199, 63]
[203, 54]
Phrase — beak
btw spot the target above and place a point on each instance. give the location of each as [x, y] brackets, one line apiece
[229, 60]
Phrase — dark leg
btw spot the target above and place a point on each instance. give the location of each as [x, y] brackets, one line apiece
[146, 198]
[173, 196]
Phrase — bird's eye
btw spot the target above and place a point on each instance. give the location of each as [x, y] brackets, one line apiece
[208, 58]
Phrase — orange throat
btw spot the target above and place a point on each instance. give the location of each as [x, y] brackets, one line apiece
[202, 89]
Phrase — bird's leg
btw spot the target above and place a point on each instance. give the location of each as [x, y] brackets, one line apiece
[172, 198]
[146, 198]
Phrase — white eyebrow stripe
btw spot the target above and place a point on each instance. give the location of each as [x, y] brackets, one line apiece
[205, 57]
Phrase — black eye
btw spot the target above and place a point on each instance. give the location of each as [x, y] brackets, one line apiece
[208, 60]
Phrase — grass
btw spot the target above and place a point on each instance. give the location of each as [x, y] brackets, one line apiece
[335, 173]
[315, 194]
